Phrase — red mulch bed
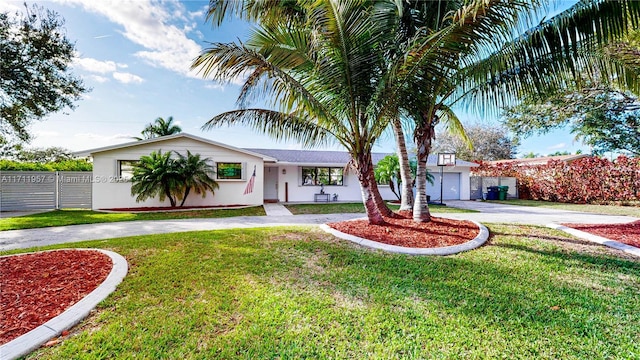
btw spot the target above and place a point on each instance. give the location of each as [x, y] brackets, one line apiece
[38, 287]
[625, 233]
[403, 231]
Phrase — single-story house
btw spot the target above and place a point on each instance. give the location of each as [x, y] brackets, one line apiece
[280, 175]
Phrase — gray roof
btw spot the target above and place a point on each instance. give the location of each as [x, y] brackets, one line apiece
[309, 157]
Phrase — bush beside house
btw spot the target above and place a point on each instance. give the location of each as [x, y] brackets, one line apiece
[63, 165]
[586, 180]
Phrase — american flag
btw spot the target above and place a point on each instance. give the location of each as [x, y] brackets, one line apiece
[249, 188]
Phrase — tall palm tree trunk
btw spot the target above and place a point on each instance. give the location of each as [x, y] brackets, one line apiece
[424, 135]
[406, 193]
[364, 169]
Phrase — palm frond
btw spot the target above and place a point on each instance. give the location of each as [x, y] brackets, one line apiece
[275, 124]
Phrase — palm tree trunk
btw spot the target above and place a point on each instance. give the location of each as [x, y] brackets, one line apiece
[186, 193]
[406, 197]
[167, 192]
[380, 203]
[423, 141]
[364, 168]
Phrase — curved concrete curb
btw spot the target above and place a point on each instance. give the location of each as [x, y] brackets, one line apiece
[482, 237]
[597, 239]
[32, 340]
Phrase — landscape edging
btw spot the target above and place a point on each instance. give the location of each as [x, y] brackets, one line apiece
[480, 239]
[32, 340]
[597, 239]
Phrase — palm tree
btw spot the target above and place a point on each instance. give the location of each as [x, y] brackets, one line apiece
[387, 170]
[160, 127]
[464, 51]
[326, 78]
[457, 52]
[156, 175]
[195, 174]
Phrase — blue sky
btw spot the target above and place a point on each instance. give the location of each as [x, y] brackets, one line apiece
[135, 55]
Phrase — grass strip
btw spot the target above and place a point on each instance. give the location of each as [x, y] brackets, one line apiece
[76, 217]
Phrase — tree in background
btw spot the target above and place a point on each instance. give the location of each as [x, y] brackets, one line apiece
[489, 143]
[387, 172]
[160, 127]
[196, 174]
[601, 116]
[34, 76]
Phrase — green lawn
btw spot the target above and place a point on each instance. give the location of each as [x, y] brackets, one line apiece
[598, 209]
[340, 208]
[75, 217]
[295, 293]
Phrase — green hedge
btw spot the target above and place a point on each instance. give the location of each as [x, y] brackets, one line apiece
[65, 165]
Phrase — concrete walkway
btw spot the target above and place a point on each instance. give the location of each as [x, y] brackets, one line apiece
[276, 209]
[490, 213]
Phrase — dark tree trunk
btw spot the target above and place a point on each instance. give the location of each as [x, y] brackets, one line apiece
[364, 169]
[186, 193]
[167, 192]
[380, 203]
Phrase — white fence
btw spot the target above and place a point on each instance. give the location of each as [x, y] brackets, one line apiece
[41, 190]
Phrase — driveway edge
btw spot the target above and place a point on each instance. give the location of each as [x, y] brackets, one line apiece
[32, 340]
[480, 239]
[597, 239]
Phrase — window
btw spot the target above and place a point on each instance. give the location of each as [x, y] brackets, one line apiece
[125, 168]
[322, 176]
[229, 171]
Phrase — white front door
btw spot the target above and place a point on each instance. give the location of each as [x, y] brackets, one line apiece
[271, 183]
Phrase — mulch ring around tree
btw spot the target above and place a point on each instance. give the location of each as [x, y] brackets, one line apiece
[403, 231]
[625, 233]
[40, 286]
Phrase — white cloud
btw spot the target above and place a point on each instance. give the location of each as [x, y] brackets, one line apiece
[95, 66]
[11, 7]
[127, 78]
[557, 146]
[98, 78]
[147, 24]
[214, 86]
[104, 138]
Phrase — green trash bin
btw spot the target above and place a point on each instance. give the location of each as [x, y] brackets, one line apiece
[502, 192]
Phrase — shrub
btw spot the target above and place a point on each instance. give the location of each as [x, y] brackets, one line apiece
[586, 180]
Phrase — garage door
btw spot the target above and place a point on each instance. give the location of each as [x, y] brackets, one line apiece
[450, 187]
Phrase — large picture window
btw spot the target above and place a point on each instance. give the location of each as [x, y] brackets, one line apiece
[125, 168]
[229, 171]
[322, 176]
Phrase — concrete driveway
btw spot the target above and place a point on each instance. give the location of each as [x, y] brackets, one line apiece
[500, 213]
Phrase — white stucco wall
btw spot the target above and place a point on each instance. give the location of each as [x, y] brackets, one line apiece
[108, 192]
[350, 191]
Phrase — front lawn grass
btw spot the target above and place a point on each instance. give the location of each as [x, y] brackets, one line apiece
[297, 293]
[76, 217]
[345, 208]
[589, 208]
